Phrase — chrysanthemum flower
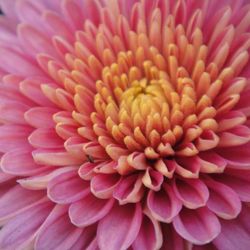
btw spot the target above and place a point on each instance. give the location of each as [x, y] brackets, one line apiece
[125, 124]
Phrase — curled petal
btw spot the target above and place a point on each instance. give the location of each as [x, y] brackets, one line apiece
[211, 162]
[164, 168]
[231, 120]
[164, 205]
[152, 179]
[123, 167]
[129, 189]
[95, 150]
[207, 140]
[74, 146]
[137, 160]
[103, 185]
[237, 136]
[188, 167]
[115, 152]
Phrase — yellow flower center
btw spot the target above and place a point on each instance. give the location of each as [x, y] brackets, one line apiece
[152, 107]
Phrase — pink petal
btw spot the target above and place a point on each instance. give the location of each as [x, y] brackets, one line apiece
[8, 10]
[165, 168]
[7, 35]
[164, 205]
[86, 170]
[20, 163]
[31, 88]
[13, 137]
[74, 146]
[103, 185]
[94, 210]
[129, 189]
[55, 5]
[17, 200]
[207, 140]
[198, 226]
[14, 62]
[5, 177]
[57, 232]
[238, 157]
[115, 152]
[239, 181]
[235, 234]
[223, 201]
[45, 138]
[95, 150]
[39, 182]
[34, 41]
[192, 192]
[66, 131]
[152, 179]
[9, 90]
[55, 157]
[5, 187]
[72, 11]
[93, 245]
[209, 246]
[230, 120]
[211, 162]
[13, 112]
[57, 25]
[67, 187]
[94, 12]
[137, 160]
[172, 240]
[21, 230]
[30, 11]
[239, 135]
[40, 117]
[150, 235]
[87, 239]
[106, 167]
[191, 172]
[120, 227]
[62, 45]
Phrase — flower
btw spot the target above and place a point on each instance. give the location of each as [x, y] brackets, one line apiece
[125, 124]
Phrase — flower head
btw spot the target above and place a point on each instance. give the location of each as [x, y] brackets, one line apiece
[124, 124]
